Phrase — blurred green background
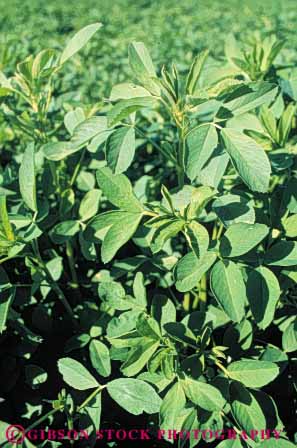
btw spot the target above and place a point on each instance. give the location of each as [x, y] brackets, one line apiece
[172, 29]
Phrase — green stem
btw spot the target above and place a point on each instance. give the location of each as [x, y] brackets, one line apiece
[221, 228]
[52, 282]
[70, 256]
[77, 168]
[180, 155]
[41, 419]
[90, 397]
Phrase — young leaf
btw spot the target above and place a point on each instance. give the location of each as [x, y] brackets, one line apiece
[87, 130]
[212, 172]
[247, 97]
[195, 70]
[63, 231]
[164, 232]
[172, 404]
[99, 355]
[204, 395]
[228, 288]
[263, 292]
[198, 238]
[124, 108]
[190, 269]
[76, 375]
[135, 396]
[73, 118]
[119, 234]
[120, 149]
[142, 66]
[139, 356]
[27, 178]
[248, 158]
[200, 144]
[118, 190]
[89, 204]
[253, 373]
[139, 290]
[78, 41]
[234, 245]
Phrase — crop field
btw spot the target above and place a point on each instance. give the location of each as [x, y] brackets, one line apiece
[148, 223]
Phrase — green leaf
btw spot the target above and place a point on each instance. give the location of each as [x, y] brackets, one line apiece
[283, 253]
[198, 238]
[127, 90]
[248, 158]
[290, 226]
[89, 204]
[195, 71]
[228, 288]
[253, 373]
[124, 108]
[135, 396]
[35, 376]
[118, 235]
[172, 404]
[57, 151]
[233, 208]
[189, 270]
[246, 97]
[252, 410]
[7, 293]
[234, 245]
[87, 130]
[118, 190]
[139, 356]
[99, 355]
[169, 229]
[204, 395]
[212, 172]
[200, 144]
[139, 290]
[73, 118]
[263, 292]
[289, 339]
[63, 231]
[277, 443]
[27, 178]
[163, 310]
[78, 41]
[142, 66]
[76, 375]
[230, 444]
[120, 149]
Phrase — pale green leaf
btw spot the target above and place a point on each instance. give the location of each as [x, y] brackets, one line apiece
[135, 396]
[27, 178]
[228, 288]
[76, 375]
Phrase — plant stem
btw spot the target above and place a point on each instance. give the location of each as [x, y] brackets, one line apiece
[186, 302]
[90, 397]
[52, 282]
[69, 253]
[180, 155]
[41, 419]
[77, 168]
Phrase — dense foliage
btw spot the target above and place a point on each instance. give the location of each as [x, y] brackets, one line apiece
[148, 243]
